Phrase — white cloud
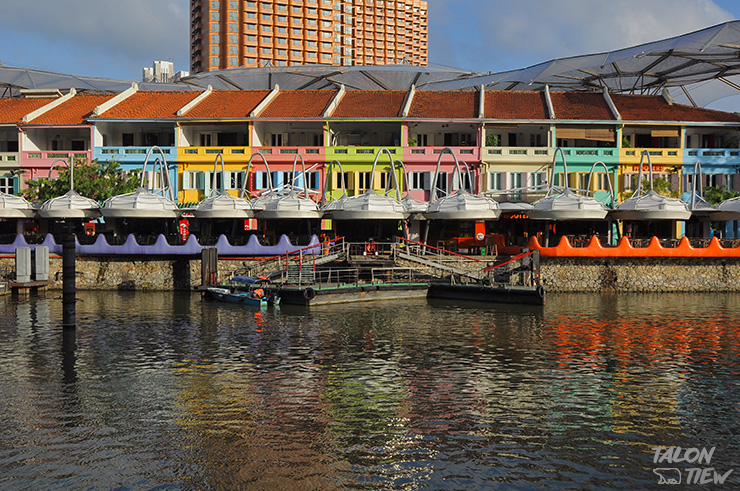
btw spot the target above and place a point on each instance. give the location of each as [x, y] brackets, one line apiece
[498, 35]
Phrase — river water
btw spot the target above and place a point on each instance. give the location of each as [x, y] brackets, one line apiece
[167, 391]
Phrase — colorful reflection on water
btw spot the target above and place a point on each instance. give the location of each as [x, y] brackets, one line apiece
[167, 390]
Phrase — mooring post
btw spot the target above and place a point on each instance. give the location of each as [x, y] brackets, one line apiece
[69, 286]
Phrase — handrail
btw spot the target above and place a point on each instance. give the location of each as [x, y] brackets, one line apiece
[328, 241]
[504, 263]
[426, 246]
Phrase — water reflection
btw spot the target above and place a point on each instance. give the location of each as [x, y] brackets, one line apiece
[166, 390]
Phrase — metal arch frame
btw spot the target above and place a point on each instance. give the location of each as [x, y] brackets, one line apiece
[243, 192]
[433, 195]
[551, 188]
[219, 156]
[164, 171]
[71, 168]
[637, 192]
[326, 181]
[393, 171]
[697, 172]
[611, 188]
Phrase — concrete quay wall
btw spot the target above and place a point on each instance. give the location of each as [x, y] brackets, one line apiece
[559, 274]
[640, 274]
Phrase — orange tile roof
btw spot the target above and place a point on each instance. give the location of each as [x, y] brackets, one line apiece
[581, 105]
[370, 104]
[299, 104]
[445, 104]
[515, 105]
[227, 104]
[656, 108]
[13, 109]
[73, 111]
[150, 105]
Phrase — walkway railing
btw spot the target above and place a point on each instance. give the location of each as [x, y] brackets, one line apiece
[629, 247]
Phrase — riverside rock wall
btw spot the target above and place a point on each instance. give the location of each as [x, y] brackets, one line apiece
[565, 274]
[558, 274]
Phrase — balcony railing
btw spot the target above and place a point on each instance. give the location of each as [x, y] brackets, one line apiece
[432, 152]
[10, 157]
[127, 154]
[633, 154]
[713, 155]
[518, 153]
[44, 158]
[209, 153]
[290, 152]
[366, 152]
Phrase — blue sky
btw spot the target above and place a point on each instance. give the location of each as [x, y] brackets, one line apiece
[115, 39]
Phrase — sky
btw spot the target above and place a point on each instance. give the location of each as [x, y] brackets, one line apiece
[117, 38]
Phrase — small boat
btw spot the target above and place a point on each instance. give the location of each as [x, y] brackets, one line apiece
[251, 297]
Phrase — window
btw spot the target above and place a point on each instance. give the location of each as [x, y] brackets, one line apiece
[266, 28]
[419, 180]
[282, 18]
[296, 53]
[282, 52]
[496, 181]
[215, 16]
[266, 17]
[7, 185]
[251, 15]
[215, 50]
[266, 51]
[192, 180]
[251, 49]
[233, 61]
[267, 39]
[215, 38]
[441, 183]
[233, 38]
[251, 37]
[215, 4]
[233, 50]
[234, 180]
[250, 27]
[282, 30]
[233, 15]
[281, 41]
[363, 180]
[233, 27]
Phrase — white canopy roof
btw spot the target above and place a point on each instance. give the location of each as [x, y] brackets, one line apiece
[139, 204]
[70, 205]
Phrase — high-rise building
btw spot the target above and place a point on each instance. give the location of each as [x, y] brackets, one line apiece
[252, 33]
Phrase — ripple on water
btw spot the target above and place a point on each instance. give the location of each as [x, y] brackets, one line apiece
[167, 391]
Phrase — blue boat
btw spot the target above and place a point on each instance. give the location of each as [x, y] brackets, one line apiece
[250, 297]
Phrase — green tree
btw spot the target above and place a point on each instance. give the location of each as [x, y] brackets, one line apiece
[662, 186]
[96, 180]
[716, 194]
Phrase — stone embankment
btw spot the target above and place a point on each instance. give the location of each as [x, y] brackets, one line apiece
[640, 274]
[558, 274]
